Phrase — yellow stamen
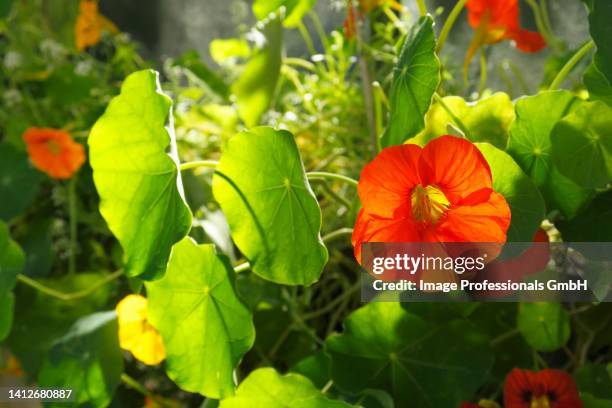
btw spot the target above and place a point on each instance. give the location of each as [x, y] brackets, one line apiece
[428, 204]
[540, 402]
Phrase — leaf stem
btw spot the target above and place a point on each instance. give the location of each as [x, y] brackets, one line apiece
[542, 26]
[422, 7]
[449, 23]
[68, 296]
[72, 213]
[569, 65]
[483, 72]
[332, 305]
[337, 234]
[455, 119]
[245, 266]
[333, 176]
[199, 163]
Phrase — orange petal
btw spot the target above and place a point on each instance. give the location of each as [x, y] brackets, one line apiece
[484, 222]
[369, 228]
[454, 165]
[387, 181]
[528, 41]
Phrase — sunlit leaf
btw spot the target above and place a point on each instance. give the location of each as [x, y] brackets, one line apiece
[264, 387]
[294, 9]
[138, 182]
[255, 87]
[410, 357]
[525, 201]
[415, 79]
[19, 181]
[205, 326]
[273, 214]
[545, 326]
[87, 360]
[530, 146]
[582, 145]
[222, 49]
[486, 120]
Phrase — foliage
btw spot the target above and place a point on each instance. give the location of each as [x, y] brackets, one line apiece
[226, 196]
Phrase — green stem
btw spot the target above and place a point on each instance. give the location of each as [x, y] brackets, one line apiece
[307, 38]
[68, 296]
[537, 11]
[335, 196]
[455, 119]
[397, 23]
[337, 234]
[298, 62]
[332, 305]
[72, 213]
[332, 176]
[449, 23]
[135, 385]
[483, 72]
[245, 266]
[569, 65]
[199, 163]
[422, 7]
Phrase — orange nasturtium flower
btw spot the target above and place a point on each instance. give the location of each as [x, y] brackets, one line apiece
[497, 20]
[440, 193]
[136, 334]
[54, 152]
[543, 389]
[90, 24]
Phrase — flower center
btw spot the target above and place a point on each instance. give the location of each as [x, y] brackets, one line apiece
[428, 204]
[54, 147]
[540, 402]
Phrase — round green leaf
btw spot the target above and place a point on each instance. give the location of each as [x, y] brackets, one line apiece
[590, 401]
[415, 79]
[87, 360]
[526, 203]
[530, 145]
[7, 304]
[205, 326]
[582, 145]
[486, 120]
[595, 379]
[273, 214]
[18, 181]
[264, 387]
[294, 9]
[138, 182]
[12, 260]
[385, 347]
[601, 31]
[600, 88]
[545, 326]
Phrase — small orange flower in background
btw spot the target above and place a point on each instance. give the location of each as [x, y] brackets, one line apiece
[12, 367]
[497, 20]
[440, 193]
[542, 389]
[54, 152]
[90, 24]
[136, 333]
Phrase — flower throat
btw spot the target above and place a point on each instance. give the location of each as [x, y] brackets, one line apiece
[428, 204]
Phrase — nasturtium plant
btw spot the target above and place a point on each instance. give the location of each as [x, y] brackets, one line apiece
[87, 360]
[415, 80]
[525, 201]
[484, 121]
[11, 264]
[599, 75]
[408, 356]
[582, 145]
[256, 85]
[205, 326]
[530, 145]
[294, 9]
[272, 212]
[265, 387]
[19, 181]
[139, 183]
[545, 326]
[593, 223]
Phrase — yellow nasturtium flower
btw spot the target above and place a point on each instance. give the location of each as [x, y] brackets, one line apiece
[136, 334]
[90, 24]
